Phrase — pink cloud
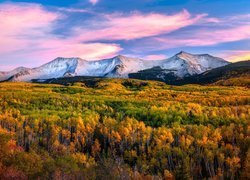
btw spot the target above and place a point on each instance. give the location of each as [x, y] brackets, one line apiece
[27, 38]
[27, 32]
[203, 37]
[93, 1]
[235, 56]
[137, 25]
[211, 31]
[20, 22]
[212, 20]
[155, 57]
[72, 48]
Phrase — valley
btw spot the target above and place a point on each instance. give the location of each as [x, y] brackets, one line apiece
[125, 90]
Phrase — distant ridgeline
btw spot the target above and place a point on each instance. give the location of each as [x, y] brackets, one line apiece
[235, 74]
[183, 68]
[179, 66]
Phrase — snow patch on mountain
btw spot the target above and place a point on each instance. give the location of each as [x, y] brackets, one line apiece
[6, 75]
[182, 64]
[54, 69]
[186, 64]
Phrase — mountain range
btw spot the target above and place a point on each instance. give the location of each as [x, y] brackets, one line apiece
[180, 65]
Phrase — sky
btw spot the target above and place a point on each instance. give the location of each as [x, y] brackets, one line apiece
[35, 32]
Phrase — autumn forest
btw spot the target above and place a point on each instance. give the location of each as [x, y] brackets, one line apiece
[124, 129]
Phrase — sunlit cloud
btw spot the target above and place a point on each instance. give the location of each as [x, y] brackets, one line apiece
[21, 23]
[27, 32]
[234, 29]
[206, 33]
[235, 56]
[136, 25]
[212, 20]
[155, 57]
[207, 37]
[32, 34]
[93, 1]
[27, 37]
[72, 48]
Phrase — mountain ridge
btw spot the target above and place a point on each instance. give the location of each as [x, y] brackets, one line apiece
[237, 73]
[182, 64]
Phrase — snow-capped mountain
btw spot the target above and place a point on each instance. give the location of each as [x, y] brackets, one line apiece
[182, 64]
[6, 75]
[186, 64]
[119, 66]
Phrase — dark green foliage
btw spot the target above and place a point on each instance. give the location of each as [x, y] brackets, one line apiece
[155, 73]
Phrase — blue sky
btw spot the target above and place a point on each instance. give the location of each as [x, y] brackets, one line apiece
[35, 32]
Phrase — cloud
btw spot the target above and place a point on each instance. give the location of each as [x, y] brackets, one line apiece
[31, 34]
[74, 10]
[94, 2]
[136, 25]
[241, 18]
[215, 31]
[212, 20]
[206, 37]
[72, 48]
[155, 57]
[28, 32]
[235, 56]
[27, 37]
[21, 23]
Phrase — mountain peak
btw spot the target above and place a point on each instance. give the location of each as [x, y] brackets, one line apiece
[20, 68]
[188, 64]
[184, 54]
[122, 57]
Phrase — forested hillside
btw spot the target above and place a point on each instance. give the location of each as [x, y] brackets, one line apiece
[234, 74]
[124, 129]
